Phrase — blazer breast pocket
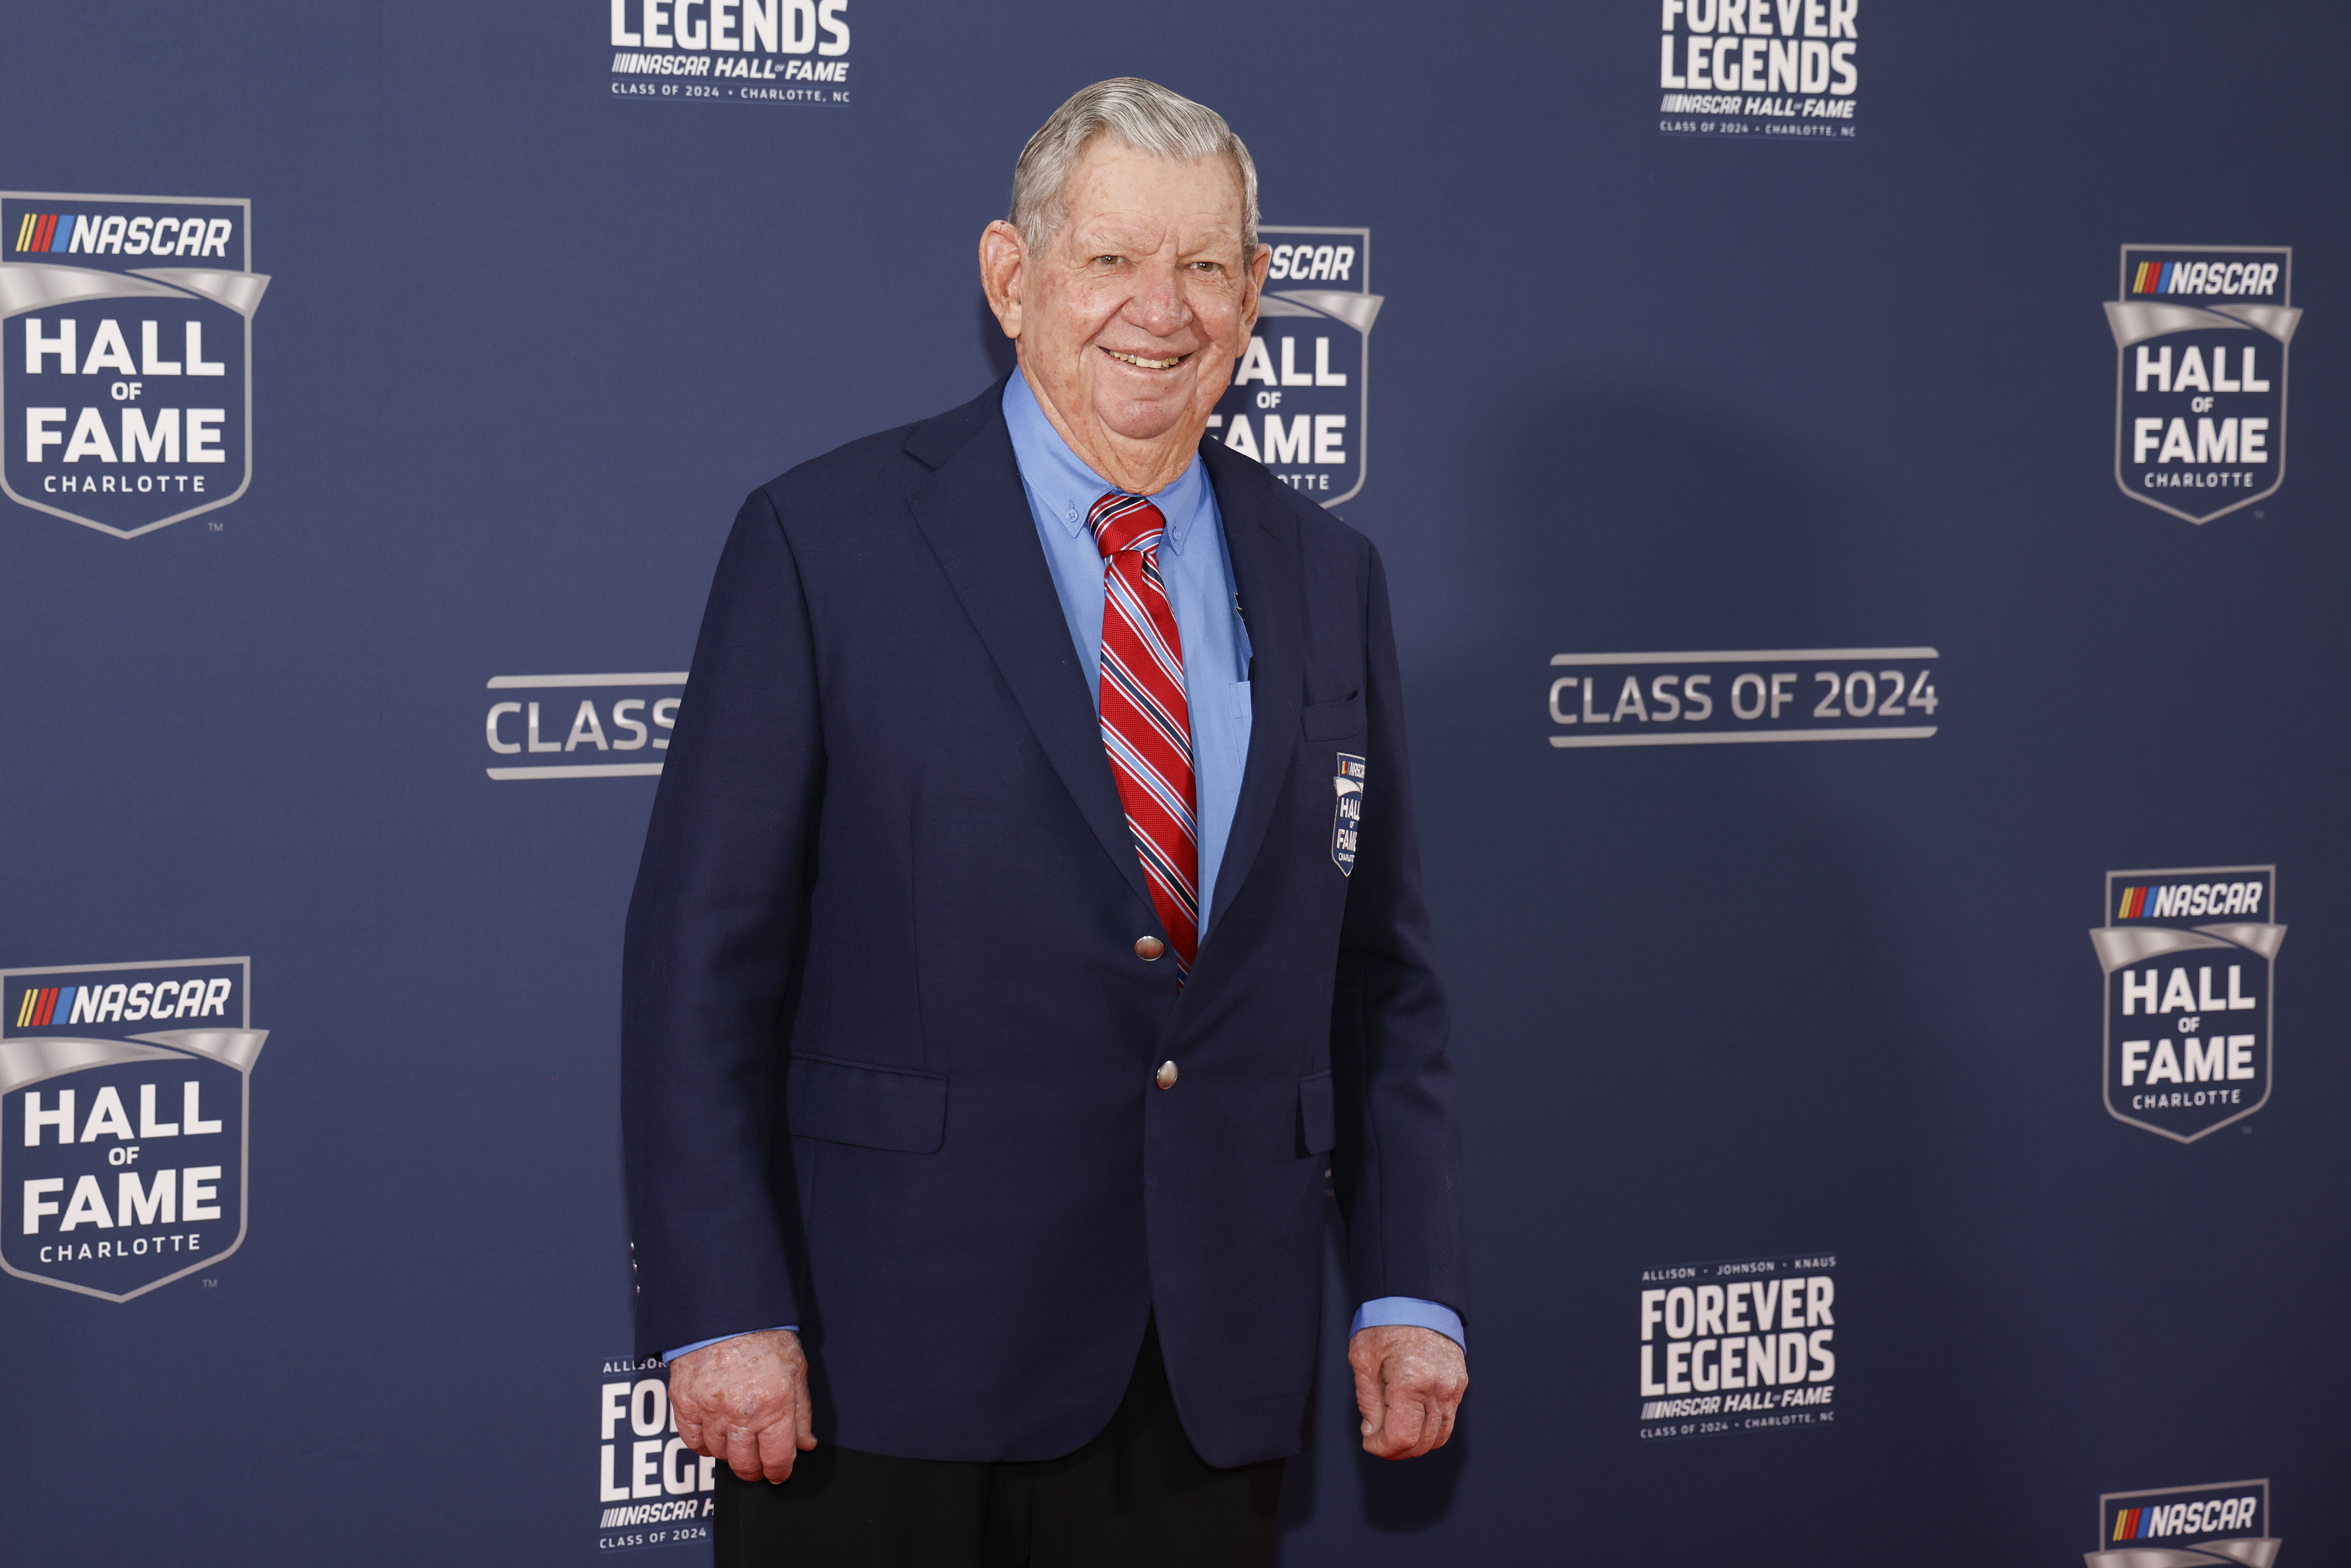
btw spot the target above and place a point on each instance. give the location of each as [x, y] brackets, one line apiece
[871, 1107]
[1333, 721]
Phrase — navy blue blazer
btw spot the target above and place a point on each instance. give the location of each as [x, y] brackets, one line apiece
[887, 1046]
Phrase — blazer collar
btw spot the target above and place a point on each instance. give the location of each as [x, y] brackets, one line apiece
[975, 515]
[1262, 536]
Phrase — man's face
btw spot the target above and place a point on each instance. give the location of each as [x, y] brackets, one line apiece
[1132, 316]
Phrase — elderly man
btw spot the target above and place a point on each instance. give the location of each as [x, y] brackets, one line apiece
[1030, 924]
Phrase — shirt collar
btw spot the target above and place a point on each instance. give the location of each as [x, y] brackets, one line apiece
[1061, 486]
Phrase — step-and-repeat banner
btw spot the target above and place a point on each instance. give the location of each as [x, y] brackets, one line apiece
[1861, 487]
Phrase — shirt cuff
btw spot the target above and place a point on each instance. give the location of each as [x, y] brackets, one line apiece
[780, 1328]
[1414, 1313]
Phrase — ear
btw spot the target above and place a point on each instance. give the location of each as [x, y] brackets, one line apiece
[1259, 266]
[1003, 266]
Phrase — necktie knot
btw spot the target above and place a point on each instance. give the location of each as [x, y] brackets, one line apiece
[1123, 522]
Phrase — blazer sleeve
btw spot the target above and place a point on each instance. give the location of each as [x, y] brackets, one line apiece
[715, 931]
[1397, 1166]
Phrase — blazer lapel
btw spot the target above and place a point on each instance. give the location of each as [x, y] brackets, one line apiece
[1262, 537]
[975, 516]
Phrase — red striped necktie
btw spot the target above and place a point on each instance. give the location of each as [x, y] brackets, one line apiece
[1146, 723]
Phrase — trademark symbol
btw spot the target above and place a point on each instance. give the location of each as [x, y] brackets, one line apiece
[216, 527]
[215, 1284]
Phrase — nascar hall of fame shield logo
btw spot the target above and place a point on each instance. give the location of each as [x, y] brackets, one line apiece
[1347, 816]
[123, 1099]
[126, 397]
[1300, 399]
[2182, 1527]
[2200, 335]
[2191, 959]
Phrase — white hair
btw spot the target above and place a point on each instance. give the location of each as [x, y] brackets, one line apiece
[1134, 113]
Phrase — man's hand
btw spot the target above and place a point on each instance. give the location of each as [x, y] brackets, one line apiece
[745, 1402]
[1408, 1384]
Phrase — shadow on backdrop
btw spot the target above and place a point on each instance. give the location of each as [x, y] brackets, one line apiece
[1395, 1497]
[1401, 1497]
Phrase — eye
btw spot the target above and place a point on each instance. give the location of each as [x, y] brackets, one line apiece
[1107, 261]
[1207, 267]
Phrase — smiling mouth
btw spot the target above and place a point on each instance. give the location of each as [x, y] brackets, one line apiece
[1146, 363]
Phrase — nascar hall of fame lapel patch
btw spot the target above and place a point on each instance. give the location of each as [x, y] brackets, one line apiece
[1347, 815]
[127, 392]
[1301, 395]
[2200, 335]
[2191, 959]
[124, 1092]
[2226, 1522]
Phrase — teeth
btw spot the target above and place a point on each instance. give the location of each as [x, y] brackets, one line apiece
[1147, 364]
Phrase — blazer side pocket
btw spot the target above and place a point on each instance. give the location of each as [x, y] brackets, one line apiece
[1318, 1114]
[871, 1107]
[1333, 721]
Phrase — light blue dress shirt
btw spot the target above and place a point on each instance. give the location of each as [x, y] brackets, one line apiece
[1199, 579]
[1199, 582]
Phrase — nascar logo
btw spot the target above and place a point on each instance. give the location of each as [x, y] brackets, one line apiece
[71, 1005]
[2182, 1518]
[47, 233]
[2224, 1524]
[2164, 903]
[2204, 278]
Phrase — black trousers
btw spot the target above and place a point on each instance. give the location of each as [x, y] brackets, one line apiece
[1135, 1495]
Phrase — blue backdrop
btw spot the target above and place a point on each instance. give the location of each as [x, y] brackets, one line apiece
[1783, 381]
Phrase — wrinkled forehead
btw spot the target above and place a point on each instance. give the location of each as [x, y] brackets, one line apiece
[1117, 190]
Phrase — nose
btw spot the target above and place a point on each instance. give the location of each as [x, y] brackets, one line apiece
[1158, 307]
